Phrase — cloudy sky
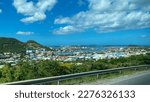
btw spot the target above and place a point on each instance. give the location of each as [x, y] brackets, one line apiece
[71, 22]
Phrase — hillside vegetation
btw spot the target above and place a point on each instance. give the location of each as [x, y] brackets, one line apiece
[11, 45]
[15, 46]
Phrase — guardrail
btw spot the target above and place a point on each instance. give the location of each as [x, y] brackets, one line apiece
[72, 76]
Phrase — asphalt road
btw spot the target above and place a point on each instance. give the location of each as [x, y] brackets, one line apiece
[141, 79]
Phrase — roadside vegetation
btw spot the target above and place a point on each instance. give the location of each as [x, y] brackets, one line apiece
[40, 69]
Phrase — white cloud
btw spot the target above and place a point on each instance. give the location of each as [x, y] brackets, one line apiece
[67, 29]
[0, 9]
[108, 16]
[24, 33]
[33, 11]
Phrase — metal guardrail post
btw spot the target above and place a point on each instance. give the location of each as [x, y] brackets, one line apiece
[58, 82]
[97, 76]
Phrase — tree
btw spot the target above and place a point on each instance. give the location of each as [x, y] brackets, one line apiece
[6, 74]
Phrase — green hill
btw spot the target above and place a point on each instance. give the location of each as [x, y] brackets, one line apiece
[34, 45]
[13, 45]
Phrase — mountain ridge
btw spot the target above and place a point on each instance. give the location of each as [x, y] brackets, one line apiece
[14, 45]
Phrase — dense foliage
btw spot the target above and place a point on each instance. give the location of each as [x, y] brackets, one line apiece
[39, 69]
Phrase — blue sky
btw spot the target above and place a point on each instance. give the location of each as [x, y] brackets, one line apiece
[75, 22]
